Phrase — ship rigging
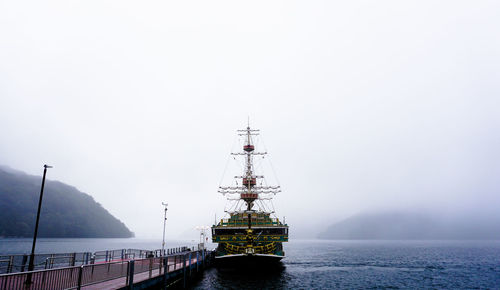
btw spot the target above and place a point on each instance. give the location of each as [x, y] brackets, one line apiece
[249, 235]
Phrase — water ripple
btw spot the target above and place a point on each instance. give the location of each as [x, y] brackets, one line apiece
[373, 265]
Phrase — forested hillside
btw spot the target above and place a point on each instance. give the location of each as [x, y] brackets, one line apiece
[66, 212]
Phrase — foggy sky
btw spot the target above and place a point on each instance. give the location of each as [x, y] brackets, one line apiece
[362, 104]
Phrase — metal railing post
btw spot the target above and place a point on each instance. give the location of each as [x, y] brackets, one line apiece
[80, 274]
[11, 264]
[184, 270]
[131, 275]
[25, 259]
[150, 267]
[165, 272]
[126, 275]
[190, 262]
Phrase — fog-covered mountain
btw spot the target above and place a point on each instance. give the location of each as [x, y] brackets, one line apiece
[414, 225]
[66, 212]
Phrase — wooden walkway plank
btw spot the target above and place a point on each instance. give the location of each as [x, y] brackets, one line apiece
[139, 277]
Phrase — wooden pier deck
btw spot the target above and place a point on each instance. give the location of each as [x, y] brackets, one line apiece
[139, 277]
[131, 273]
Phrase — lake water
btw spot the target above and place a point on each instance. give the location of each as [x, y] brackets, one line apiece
[331, 264]
[46, 245]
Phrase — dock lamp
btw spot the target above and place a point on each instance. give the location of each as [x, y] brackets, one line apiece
[31, 264]
[164, 222]
[203, 235]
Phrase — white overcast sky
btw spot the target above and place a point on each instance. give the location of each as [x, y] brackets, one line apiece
[363, 105]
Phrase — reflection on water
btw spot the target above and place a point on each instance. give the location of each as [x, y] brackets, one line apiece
[258, 278]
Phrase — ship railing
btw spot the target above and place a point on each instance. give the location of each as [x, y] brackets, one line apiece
[124, 273]
[244, 223]
[265, 249]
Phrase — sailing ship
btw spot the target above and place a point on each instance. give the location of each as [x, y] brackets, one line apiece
[251, 234]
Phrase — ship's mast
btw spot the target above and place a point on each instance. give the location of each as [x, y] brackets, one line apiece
[249, 180]
[249, 191]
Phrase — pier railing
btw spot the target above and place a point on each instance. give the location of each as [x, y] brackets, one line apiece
[19, 262]
[118, 274]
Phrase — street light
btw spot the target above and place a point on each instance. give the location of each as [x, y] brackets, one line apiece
[164, 222]
[203, 235]
[32, 256]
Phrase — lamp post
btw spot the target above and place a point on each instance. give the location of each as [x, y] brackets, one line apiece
[203, 235]
[164, 222]
[32, 256]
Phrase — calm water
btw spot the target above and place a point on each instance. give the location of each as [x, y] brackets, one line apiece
[331, 264]
[374, 264]
[44, 245]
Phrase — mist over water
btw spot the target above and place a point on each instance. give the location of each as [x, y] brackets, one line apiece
[415, 225]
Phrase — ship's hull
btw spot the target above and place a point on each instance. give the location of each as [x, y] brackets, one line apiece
[248, 260]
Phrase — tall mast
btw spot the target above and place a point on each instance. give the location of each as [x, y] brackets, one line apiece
[249, 156]
[249, 180]
[249, 191]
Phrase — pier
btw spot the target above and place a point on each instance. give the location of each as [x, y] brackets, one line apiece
[117, 269]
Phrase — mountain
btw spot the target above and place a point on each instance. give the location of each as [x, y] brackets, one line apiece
[66, 212]
[395, 225]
